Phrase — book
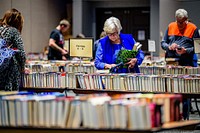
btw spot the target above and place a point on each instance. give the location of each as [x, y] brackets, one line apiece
[63, 107]
[73, 120]
[168, 101]
[103, 71]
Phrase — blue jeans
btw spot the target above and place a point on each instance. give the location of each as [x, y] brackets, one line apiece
[186, 108]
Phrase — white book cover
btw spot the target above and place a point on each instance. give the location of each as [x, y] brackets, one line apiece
[47, 114]
[71, 114]
[53, 111]
[132, 117]
[1, 112]
[77, 116]
[65, 112]
[41, 107]
[5, 111]
[106, 116]
[59, 112]
[18, 113]
[24, 106]
[93, 103]
[41, 113]
[91, 79]
[85, 114]
[11, 112]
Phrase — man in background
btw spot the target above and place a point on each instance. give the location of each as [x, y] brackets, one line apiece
[178, 43]
[56, 42]
[178, 40]
[103, 34]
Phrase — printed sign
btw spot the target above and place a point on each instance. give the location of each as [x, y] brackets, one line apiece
[151, 46]
[197, 45]
[81, 47]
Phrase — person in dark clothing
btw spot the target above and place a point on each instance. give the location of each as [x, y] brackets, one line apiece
[56, 42]
[178, 40]
[178, 43]
[10, 28]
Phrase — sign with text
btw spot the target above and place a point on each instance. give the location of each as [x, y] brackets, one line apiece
[151, 46]
[197, 45]
[81, 47]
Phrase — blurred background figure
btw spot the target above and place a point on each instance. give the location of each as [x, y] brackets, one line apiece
[10, 29]
[56, 42]
[103, 34]
[80, 35]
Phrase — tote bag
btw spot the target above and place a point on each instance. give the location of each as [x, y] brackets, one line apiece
[6, 53]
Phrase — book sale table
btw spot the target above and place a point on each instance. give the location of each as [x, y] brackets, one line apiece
[110, 92]
[183, 125]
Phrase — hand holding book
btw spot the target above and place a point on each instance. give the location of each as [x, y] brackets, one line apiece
[131, 63]
[128, 57]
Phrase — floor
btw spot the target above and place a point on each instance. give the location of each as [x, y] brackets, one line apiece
[193, 116]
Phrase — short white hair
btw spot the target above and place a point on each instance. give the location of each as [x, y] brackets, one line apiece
[112, 24]
[181, 13]
[64, 22]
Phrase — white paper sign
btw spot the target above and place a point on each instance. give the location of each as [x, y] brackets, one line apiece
[141, 35]
[81, 47]
[197, 45]
[151, 46]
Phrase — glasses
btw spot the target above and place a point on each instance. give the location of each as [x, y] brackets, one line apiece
[65, 25]
[112, 34]
[182, 21]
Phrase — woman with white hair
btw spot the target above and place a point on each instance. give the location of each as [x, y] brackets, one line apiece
[111, 44]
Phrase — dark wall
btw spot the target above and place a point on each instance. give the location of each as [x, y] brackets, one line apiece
[134, 20]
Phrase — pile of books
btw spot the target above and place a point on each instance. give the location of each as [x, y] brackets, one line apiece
[95, 111]
[140, 82]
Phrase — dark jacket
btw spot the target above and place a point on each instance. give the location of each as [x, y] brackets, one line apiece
[185, 40]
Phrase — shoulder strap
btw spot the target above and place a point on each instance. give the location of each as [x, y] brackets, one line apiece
[4, 30]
